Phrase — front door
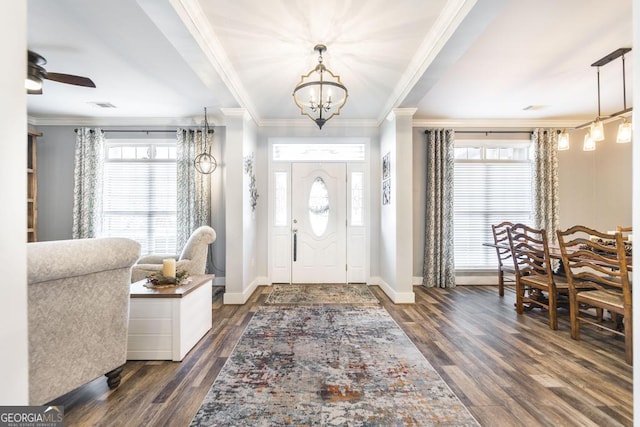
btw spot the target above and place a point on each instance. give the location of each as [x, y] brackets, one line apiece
[318, 223]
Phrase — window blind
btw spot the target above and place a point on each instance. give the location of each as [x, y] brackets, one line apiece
[487, 193]
[139, 202]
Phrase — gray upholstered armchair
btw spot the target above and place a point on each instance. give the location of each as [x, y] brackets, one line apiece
[78, 313]
[193, 258]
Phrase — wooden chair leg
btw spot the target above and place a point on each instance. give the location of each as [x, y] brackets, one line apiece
[553, 309]
[573, 313]
[519, 297]
[628, 336]
[501, 283]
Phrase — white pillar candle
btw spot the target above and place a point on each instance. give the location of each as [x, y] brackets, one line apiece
[169, 267]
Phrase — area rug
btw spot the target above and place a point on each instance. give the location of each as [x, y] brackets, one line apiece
[310, 294]
[330, 366]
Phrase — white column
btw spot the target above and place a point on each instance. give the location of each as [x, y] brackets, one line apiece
[396, 221]
[240, 269]
[14, 356]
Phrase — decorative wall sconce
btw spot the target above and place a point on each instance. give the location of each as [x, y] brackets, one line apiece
[324, 94]
[204, 162]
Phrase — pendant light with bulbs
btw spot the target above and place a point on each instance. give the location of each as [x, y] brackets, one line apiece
[596, 127]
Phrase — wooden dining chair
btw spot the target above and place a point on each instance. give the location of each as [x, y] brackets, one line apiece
[534, 271]
[505, 261]
[625, 231]
[604, 267]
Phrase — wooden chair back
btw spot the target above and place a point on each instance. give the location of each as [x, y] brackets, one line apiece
[587, 258]
[622, 229]
[500, 237]
[530, 251]
[599, 260]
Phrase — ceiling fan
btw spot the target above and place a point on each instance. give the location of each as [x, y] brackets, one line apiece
[36, 73]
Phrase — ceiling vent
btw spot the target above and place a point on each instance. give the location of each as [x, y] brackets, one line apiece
[103, 104]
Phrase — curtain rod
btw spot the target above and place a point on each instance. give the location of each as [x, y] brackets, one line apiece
[144, 130]
[487, 132]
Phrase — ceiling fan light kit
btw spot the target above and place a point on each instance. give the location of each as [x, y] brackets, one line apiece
[596, 128]
[36, 73]
[320, 94]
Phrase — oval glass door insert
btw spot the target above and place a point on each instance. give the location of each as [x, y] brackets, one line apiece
[319, 207]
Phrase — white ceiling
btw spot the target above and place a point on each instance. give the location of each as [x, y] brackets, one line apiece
[456, 61]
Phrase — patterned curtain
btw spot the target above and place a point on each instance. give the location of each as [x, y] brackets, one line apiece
[545, 177]
[194, 188]
[438, 267]
[87, 191]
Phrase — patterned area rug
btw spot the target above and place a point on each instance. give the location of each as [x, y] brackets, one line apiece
[352, 294]
[328, 365]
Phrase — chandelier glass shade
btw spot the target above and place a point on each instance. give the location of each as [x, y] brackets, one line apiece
[320, 94]
[204, 162]
[589, 144]
[597, 130]
[625, 130]
[563, 140]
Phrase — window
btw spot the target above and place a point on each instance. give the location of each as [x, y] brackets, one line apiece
[493, 183]
[357, 199]
[318, 152]
[139, 193]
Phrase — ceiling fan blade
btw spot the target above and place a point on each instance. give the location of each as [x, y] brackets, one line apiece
[70, 79]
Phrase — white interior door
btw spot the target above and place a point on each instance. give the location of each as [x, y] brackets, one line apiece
[318, 223]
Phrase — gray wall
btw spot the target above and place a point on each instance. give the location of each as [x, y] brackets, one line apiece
[56, 155]
[56, 151]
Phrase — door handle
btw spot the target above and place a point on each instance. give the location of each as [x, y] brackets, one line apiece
[295, 244]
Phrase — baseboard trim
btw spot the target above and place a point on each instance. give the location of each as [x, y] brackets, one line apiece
[396, 297]
[466, 279]
[239, 298]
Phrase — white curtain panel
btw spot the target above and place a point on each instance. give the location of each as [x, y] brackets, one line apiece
[194, 188]
[438, 267]
[545, 177]
[87, 192]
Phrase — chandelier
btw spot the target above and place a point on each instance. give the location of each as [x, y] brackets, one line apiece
[320, 94]
[596, 129]
[204, 162]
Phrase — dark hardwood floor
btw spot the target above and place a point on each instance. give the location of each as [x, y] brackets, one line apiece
[509, 370]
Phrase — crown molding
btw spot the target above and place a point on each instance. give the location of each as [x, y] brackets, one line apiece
[196, 22]
[495, 123]
[301, 122]
[306, 123]
[119, 121]
[445, 25]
